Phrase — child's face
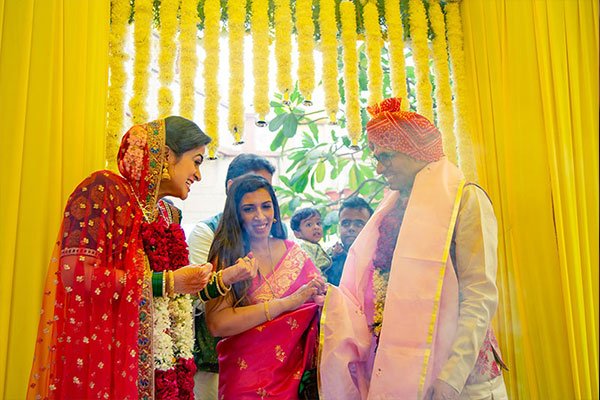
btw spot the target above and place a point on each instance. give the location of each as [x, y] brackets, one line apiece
[310, 229]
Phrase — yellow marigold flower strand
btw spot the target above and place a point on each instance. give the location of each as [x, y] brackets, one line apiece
[418, 35]
[283, 47]
[237, 17]
[306, 62]
[395, 32]
[350, 57]
[462, 121]
[374, 43]
[260, 58]
[115, 104]
[166, 55]
[443, 92]
[329, 48]
[141, 38]
[188, 59]
[212, 25]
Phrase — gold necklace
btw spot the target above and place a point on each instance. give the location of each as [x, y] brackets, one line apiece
[272, 268]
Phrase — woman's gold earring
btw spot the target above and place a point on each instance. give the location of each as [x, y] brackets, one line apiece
[165, 171]
[274, 220]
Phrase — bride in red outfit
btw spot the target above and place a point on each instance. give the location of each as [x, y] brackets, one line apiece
[116, 318]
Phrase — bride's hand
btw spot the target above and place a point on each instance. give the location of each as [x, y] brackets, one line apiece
[192, 278]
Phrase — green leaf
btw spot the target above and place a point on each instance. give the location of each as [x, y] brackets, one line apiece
[346, 141]
[331, 218]
[278, 141]
[277, 122]
[285, 180]
[294, 203]
[301, 183]
[320, 172]
[314, 129]
[290, 125]
[353, 177]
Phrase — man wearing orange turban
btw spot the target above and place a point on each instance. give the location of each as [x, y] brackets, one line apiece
[412, 316]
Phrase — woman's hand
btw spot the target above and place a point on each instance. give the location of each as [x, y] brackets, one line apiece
[192, 278]
[244, 268]
[309, 291]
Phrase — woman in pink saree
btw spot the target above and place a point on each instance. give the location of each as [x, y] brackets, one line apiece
[269, 323]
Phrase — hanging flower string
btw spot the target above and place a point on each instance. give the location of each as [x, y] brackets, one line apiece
[329, 48]
[141, 38]
[283, 47]
[353, 122]
[418, 34]
[237, 16]
[173, 337]
[395, 32]
[260, 59]
[462, 120]
[119, 14]
[166, 56]
[443, 93]
[188, 60]
[306, 62]
[212, 18]
[374, 43]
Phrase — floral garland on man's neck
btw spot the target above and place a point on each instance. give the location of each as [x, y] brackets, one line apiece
[173, 336]
[389, 229]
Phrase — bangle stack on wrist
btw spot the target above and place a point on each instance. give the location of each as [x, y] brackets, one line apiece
[267, 313]
[214, 288]
[158, 284]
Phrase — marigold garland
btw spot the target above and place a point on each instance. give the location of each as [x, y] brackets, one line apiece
[350, 57]
[115, 104]
[260, 58]
[237, 17]
[395, 32]
[329, 48]
[418, 34]
[443, 92]
[374, 43]
[462, 121]
[141, 38]
[166, 55]
[283, 47]
[188, 60]
[212, 18]
[306, 62]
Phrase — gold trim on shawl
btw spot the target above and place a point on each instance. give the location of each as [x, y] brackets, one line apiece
[438, 292]
[322, 322]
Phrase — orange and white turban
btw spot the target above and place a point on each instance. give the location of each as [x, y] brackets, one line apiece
[404, 131]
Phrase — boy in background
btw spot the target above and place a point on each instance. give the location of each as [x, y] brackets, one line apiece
[306, 224]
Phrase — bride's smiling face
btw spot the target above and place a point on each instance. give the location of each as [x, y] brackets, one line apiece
[257, 213]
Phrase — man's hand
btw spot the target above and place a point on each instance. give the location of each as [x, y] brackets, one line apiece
[440, 390]
[336, 249]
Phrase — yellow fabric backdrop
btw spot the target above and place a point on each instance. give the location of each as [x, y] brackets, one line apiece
[533, 68]
[53, 82]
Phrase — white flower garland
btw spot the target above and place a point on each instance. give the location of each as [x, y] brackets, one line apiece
[164, 357]
[173, 330]
[182, 326]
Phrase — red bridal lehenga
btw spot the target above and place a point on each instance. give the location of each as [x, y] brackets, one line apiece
[101, 333]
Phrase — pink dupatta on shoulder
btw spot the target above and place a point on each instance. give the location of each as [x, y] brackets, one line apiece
[421, 307]
[269, 360]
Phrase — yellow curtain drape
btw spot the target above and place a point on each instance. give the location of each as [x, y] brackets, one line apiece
[53, 82]
[533, 67]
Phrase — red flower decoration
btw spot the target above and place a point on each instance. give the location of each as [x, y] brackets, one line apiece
[166, 385]
[185, 370]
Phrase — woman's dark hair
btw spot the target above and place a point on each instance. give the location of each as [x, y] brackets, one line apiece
[183, 135]
[231, 241]
[300, 215]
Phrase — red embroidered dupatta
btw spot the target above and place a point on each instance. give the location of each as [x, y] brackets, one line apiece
[268, 360]
[95, 324]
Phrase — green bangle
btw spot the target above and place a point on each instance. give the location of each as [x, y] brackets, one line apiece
[157, 284]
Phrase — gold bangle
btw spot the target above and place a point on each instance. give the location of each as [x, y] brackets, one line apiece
[221, 285]
[267, 313]
[164, 284]
[171, 284]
